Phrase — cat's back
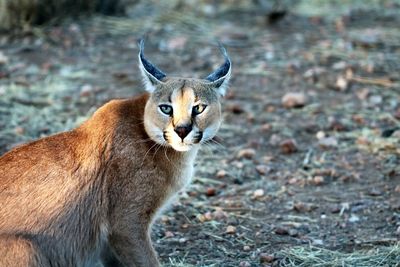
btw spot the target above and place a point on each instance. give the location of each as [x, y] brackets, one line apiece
[67, 149]
[24, 160]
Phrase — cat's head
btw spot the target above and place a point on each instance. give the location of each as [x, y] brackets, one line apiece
[182, 112]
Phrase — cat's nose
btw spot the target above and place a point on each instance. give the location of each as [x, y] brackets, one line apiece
[183, 131]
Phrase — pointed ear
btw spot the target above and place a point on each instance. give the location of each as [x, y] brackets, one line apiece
[151, 74]
[219, 78]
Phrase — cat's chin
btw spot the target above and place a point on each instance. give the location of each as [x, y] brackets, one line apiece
[182, 147]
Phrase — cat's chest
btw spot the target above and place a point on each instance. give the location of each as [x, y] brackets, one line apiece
[181, 176]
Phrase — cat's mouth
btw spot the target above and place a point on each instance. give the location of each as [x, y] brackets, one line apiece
[185, 144]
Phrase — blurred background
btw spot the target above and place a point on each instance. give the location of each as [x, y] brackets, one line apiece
[307, 167]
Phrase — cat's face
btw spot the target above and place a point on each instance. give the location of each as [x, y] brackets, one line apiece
[182, 113]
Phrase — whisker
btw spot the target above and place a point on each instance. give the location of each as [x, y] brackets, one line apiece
[165, 153]
[158, 148]
[142, 141]
[145, 155]
[213, 142]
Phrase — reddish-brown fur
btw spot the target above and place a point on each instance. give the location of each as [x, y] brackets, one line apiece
[68, 197]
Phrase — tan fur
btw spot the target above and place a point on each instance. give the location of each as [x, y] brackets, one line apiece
[90, 195]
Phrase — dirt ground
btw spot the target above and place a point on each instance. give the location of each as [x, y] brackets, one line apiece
[308, 153]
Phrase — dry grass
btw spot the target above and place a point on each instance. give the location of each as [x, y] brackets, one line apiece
[41, 109]
[313, 256]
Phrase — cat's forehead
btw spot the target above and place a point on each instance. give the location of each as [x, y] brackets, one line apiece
[180, 89]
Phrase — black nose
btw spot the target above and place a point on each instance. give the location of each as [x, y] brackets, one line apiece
[183, 131]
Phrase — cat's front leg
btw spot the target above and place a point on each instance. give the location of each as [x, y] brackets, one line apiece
[133, 247]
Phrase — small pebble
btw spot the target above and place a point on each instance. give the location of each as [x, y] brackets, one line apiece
[336, 125]
[236, 109]
[86, 90]
[397, 114]
[246, 248]
[247, 153]
[165, 219]
[270, 109]
[358, 119]
[19, 130]
[354, 218]
[288, 146]
[294, 100]
[201, 218]
[210, 192]
[396, 134]
[293, 232]
[339, 65]
[258, 193]
[250, 117]
[317, 242]
[375, 99]
[221, 174]
[281, 231]
[363, 93]
[318, 180]
[341, 83]
[230, 229]
[266, 258]
[375, 192]
[328, 142]
[219, 214]
[3, 59]
[244, 264]
[275, 139]
[320, 134]
[169, 234]
[262, 169]
[266, 127]
[302, 207]
[208, 216]
[238, 164]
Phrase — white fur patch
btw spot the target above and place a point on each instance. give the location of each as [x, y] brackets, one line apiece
[181, 180]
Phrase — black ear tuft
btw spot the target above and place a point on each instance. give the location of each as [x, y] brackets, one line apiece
[219, 78]
[147, 65]
[223, 70]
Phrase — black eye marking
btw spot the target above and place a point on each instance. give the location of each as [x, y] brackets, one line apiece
[198, 109]
[166, 109]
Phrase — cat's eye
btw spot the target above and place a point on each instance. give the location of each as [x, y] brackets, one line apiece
[166, 109]
[198, 109]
